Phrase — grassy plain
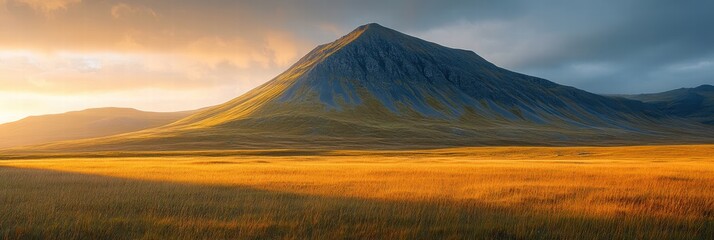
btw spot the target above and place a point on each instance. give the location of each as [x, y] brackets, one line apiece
[639, 192]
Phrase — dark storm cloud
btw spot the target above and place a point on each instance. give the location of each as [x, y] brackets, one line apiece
[652, 46]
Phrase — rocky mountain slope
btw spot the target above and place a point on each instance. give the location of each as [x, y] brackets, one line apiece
[379, 88]
[691, 103]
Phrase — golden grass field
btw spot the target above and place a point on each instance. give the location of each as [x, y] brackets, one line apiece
[640, 192]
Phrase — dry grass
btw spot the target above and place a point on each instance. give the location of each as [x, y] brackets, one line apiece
[517, 192]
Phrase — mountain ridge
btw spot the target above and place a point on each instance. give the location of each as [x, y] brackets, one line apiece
[375, 33]
[691, 103]
[88, 123]
[377, 87]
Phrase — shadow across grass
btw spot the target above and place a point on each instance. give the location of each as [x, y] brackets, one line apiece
[142, 154]
[45, 204]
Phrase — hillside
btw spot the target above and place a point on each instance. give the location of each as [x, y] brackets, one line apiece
[89, 123]
[379, 88]
[692, 103]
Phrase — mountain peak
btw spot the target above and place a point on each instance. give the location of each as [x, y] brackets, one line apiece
[372, 31]
[372, 27]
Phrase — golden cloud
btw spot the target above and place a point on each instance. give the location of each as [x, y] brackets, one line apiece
[123, 9]
[47, 6]
[276, 49]
[101, 47]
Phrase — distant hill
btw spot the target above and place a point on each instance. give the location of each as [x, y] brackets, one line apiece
[692, 103]
[379, 88]
[97, 122]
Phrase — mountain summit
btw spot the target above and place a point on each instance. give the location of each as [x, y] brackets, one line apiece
[376, 87]
[378, 73]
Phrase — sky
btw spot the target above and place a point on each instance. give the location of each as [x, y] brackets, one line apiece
[170, 55]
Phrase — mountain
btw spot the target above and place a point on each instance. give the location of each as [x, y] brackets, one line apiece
[89, 123]
[379, 88]
[692, 103]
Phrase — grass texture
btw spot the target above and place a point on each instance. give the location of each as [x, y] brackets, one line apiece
[640, 192]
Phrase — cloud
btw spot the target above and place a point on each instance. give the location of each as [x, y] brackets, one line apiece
[215, 50]
[78, 73]
[275, 49]
[123, 9]
[284, 48]
[496, 41]
[48, 6]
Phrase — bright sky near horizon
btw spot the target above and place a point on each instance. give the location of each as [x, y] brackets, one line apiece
[170, 55]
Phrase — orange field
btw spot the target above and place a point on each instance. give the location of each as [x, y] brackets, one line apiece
[490, 192]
